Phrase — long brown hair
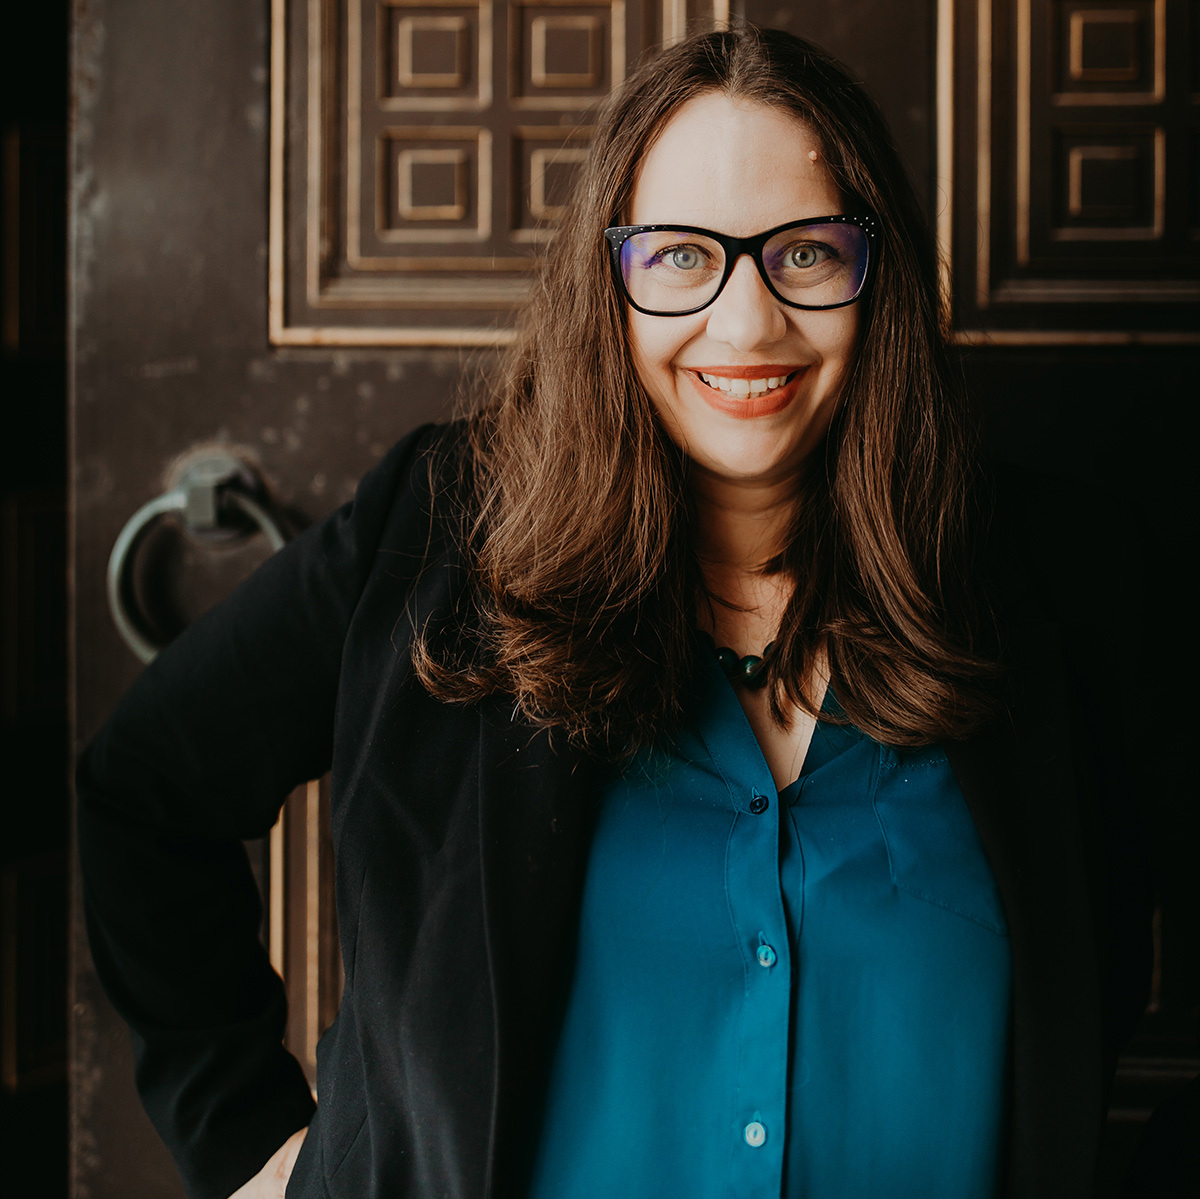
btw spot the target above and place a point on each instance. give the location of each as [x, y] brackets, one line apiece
[584, 584]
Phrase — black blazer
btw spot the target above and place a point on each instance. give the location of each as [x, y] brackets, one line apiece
[460, 835]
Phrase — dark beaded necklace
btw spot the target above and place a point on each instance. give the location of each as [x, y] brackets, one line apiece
[750, 671]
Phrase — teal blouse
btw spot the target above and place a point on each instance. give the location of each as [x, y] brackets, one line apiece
[800, 994]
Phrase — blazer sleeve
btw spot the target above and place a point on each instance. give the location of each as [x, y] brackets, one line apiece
[198, 757]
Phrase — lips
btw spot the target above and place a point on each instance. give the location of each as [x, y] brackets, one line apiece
[739, 391]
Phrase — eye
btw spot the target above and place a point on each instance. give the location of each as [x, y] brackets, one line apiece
[804, 254]
[684, 258]
[681, 258]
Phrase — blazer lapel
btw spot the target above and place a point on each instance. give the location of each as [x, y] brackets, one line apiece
[535, 815]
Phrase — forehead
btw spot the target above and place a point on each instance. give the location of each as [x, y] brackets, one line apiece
[733, 165]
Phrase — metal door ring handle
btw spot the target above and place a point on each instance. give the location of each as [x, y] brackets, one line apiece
[197, 493]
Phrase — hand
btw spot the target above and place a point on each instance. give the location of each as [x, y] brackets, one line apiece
[271, 1181]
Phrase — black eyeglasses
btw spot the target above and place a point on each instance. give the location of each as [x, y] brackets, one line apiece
[675, 270]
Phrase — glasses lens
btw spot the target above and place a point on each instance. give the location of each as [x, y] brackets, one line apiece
[818, 265]
[671, 271]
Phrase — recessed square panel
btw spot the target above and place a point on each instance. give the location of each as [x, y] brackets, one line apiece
[432, 55]
[1106, 48]
[563, 54]
[1105, 183]
[432, 51]
[565, 51]
[433, 184]
[1108, 184]
[551, 177]
[545, 164]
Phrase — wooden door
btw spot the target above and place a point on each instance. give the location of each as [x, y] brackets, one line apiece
[292, 226]
[1070, 221]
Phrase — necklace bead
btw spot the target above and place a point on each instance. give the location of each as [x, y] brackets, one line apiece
[750, 671]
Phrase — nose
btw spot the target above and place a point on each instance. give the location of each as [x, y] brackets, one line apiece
[745, 315]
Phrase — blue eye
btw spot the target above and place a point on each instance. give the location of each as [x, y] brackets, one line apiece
[803, 255]
[681, 258]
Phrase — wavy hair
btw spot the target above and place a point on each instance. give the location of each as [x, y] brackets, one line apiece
[584, 584]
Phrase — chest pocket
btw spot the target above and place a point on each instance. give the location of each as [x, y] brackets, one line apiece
[934, 852]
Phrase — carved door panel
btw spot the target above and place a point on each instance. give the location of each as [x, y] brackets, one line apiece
[1071, 164]
[441, 137]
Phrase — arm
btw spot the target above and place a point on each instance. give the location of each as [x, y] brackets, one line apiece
[198, 757]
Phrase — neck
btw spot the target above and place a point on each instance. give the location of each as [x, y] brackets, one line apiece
[740, 527]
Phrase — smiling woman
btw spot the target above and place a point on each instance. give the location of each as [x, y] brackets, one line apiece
[699, 829]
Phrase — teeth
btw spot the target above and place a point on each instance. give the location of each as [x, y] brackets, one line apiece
[744, 387]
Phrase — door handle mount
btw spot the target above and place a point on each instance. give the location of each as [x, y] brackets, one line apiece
[216, 498]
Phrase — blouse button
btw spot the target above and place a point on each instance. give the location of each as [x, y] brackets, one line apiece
[766, 956]
[759, 804]
[755, 1134]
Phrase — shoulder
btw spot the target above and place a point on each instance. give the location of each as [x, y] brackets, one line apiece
[429, 462]
[418, 490]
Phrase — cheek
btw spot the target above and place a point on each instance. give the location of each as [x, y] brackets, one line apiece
[844, 336]
[834, 340]
[651, 348]
[650, 352]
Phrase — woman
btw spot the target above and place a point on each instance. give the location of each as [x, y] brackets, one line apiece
[611, 921]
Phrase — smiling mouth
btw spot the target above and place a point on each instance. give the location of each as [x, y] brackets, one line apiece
[741, 386]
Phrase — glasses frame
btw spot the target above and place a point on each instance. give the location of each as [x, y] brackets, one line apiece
[735, 247]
